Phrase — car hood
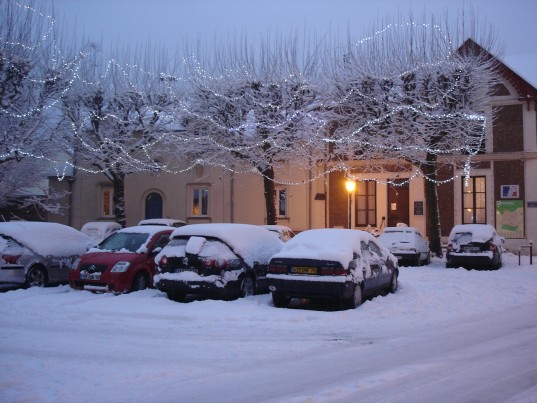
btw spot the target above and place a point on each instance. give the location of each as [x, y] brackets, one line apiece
[110, 257]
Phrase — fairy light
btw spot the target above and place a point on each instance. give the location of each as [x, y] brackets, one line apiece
[209, 82]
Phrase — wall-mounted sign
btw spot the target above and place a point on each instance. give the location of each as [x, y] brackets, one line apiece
[509, 191]
[418, 208]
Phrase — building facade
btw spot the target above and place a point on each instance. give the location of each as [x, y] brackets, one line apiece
[501, 189]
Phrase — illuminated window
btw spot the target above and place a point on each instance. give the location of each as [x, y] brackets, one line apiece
[365, 208]
[200, 201]
[474, 200]
[107, 202]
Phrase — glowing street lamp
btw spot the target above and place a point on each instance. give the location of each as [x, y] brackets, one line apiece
[350, 187]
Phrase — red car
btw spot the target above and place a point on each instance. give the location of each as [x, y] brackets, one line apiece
[123, 262]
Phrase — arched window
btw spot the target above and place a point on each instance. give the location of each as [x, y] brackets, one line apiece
[154, 205]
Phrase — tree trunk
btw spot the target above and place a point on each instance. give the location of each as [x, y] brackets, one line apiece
[118, 183]
[269, 194]
[433, 220]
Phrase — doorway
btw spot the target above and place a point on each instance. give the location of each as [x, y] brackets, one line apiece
[154, 205]
[398, 202]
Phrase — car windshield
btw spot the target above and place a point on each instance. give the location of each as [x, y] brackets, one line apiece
[126, 241]
[397, 236]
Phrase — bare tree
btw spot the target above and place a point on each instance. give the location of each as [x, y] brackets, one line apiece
[122, 112]
[407, 93]
[35, 72]
[255, 106]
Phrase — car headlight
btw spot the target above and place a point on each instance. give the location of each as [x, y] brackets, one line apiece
[75, 264]
[120, 267]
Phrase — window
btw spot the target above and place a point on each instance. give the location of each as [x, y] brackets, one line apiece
[365, 208]
[200, 198]
[107, 202]
[474, 200]
[281, 202]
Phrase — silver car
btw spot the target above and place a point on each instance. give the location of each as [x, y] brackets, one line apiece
[39, 253]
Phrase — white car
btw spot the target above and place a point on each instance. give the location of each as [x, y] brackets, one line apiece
[407, 244]
[100, 230]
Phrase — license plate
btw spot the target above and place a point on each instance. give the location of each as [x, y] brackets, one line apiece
[471, 249]
[304, 270]
[90, 276]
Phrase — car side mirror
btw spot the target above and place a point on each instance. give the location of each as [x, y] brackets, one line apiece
[156, 250]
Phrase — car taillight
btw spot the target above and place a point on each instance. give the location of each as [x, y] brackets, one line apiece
[492, 246]
[277, 268]
[215, 263]
[11, 259]
[163, 261]
[449, 247]
[333, 271]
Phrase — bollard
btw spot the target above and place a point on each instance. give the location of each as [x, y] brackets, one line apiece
[530, 252]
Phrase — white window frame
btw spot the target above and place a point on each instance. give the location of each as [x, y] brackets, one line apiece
[281, 208]
[198, 192]
[107, 199]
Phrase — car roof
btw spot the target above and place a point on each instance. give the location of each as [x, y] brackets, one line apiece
[332, 244]
[251, 242]
[480, 232]
[47, 238]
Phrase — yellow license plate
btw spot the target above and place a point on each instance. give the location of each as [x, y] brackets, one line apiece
[304, 270]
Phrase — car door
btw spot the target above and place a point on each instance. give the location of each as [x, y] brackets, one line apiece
[379, 267]
[370, 270]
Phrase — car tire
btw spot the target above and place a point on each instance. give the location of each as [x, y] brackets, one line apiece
[247, 286]
[355, 300]
[280, 300]
[393, 286]
[176, 296]
[140, 282]
[36, 277]
[428, 259]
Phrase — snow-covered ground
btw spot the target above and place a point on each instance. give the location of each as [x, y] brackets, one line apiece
[447, 335]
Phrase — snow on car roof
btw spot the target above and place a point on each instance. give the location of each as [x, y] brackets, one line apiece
[332, 244]
[252, 242]
[400, 229]
[100, 225]
[145, 229]
[480, 232]
[161, 221]
[47, 238]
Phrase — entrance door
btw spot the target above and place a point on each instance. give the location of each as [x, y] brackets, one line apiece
[154, 206]
[398, 202]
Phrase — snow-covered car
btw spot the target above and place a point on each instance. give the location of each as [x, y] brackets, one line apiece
[216, 260]
[340, 264]
[99, 230]
[123, 262]
[474, 246]
[407, 244]
[39, 253]
[283, 232]
[169, 222]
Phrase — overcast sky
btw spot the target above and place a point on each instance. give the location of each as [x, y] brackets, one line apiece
[171, 22]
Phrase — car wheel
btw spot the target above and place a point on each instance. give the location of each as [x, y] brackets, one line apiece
[419, 262]
[247, 286]
[393, 286]
[176, 296]
[428, 258]
[280, 300]
[36, 277]
[140, 282]
[355, 300]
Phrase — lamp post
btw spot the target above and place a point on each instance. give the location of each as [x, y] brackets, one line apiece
[350, 187]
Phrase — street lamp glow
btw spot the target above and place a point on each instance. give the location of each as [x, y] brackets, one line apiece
[350, 185]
